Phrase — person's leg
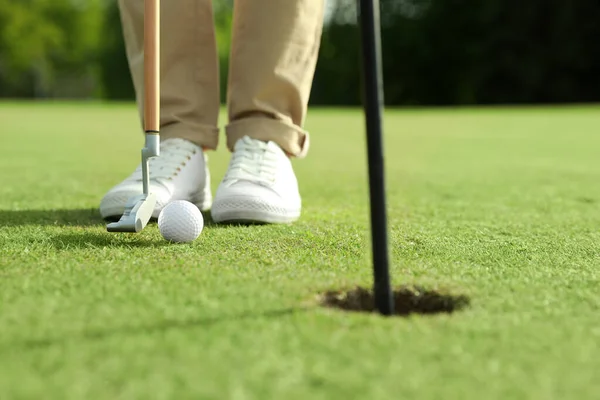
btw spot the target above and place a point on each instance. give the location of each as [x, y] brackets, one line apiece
[273, 57]
[190, 102]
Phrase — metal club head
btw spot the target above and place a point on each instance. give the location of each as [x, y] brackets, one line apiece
[139, 209]
[138, 212]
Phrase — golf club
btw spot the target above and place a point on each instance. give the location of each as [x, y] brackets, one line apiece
[370, 26]
[138, 210]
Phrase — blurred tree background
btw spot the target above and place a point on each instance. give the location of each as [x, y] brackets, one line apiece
[436, 52]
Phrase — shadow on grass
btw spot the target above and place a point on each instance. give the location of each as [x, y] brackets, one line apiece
[82, 217]
[59, 217]
[86, 240]
[206, 215]
[162, 326]
[209, 222]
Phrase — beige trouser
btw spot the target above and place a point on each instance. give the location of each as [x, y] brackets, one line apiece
[273, 56]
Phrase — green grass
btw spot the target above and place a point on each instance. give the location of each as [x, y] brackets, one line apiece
[500, 204]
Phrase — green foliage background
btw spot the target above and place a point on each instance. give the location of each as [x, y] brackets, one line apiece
[436, 52]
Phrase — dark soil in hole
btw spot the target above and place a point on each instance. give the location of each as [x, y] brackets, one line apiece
[407, 300]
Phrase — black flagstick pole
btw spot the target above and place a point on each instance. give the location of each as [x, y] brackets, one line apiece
[373, 104]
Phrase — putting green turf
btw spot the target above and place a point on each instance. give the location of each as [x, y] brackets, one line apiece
[500, 204]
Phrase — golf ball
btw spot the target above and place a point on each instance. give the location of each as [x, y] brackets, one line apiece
[180, 221]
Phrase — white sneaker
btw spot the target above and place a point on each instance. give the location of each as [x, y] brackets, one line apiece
[259, 186]
[179, 173]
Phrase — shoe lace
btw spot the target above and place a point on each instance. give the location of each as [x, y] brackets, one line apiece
[254, 161]
[174, 154]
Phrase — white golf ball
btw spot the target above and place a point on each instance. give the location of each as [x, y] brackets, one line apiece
[180, 221]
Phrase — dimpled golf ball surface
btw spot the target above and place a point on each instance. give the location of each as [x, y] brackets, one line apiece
[180, 221]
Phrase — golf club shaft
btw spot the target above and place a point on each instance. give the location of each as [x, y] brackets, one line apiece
[152, 66]
[373, 104]
[151, 87]
[145, 174]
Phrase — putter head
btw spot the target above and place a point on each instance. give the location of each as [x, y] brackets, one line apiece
[138, 212]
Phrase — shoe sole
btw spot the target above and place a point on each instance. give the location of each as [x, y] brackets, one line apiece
[248, 212]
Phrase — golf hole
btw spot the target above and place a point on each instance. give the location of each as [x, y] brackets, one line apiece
[407, 301]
